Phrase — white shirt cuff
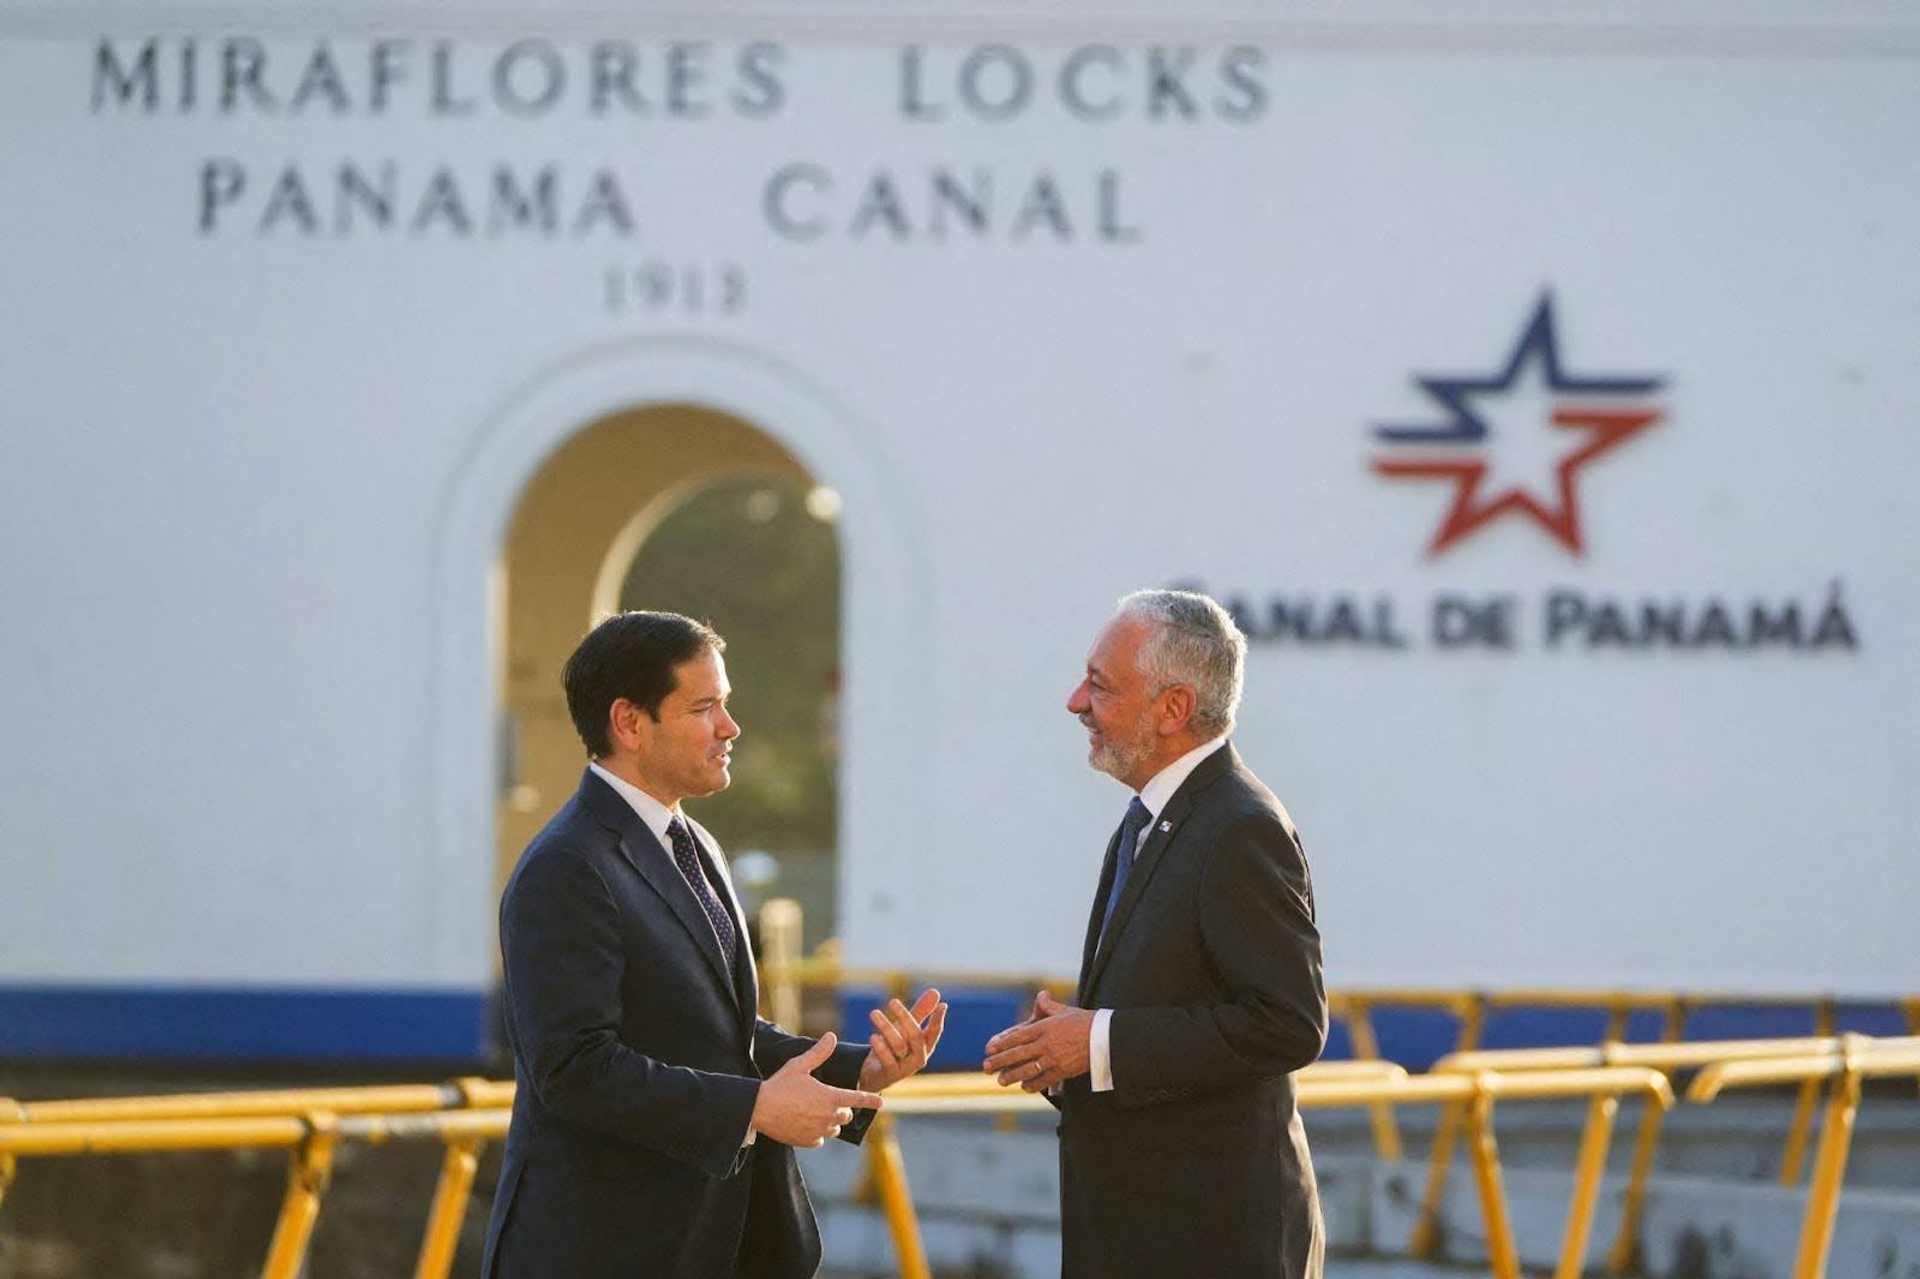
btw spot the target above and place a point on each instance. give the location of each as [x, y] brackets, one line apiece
[1099, 1053]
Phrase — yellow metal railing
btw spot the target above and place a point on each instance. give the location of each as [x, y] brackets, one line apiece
[472, 1113]
[464, 1114]
[308, 1123]
[1348, 1084]
[1665, 1058]
[785, 974]
[1847, 1065]
[1356, 1008]
[1471, 1010]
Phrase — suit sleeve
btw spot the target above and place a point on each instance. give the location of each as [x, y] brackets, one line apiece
[564, 959]
[774, 1048]
[1257, 927]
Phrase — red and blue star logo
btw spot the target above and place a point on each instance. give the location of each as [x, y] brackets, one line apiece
[1515, 442]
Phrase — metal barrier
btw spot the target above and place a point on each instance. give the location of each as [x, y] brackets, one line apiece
[1349, 1084]
[784, 975]
[1472, 1009]
[1665, 1058]
[309, 1123]
[1848, 1064]
[1356, 1007]
[466, 1113]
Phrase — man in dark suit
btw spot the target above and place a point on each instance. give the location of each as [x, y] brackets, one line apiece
[653, 1127]
[1181, 1150]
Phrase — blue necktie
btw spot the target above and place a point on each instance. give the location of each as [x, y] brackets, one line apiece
[689, 863]
[1135, 822]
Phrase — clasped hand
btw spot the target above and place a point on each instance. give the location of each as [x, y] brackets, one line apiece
[1044, 1051]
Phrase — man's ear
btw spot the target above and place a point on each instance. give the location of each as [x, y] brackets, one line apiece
[623, 723]
[1176, 708]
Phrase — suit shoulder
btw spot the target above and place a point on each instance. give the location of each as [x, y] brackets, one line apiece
[1255, 844]
[1239, 794]
[572, 834]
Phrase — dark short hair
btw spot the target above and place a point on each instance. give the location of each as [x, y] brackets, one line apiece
[630, 655]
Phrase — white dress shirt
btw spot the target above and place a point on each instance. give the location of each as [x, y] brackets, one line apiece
[1154, 795]
[655, 814]
[657, 817]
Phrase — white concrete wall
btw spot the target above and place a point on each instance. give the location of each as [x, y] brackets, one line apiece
[253, 477]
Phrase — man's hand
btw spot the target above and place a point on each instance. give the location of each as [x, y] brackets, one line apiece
[902, 1040]
[796, 1109]
[1044, 1051]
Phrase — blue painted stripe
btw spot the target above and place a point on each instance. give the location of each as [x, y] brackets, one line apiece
[1414, 1037]
[1417, 1037]
[974, 1015]
[224, 1023]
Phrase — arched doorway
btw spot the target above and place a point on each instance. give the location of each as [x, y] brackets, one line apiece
[780, 421]
[757, 556]
[689, 509]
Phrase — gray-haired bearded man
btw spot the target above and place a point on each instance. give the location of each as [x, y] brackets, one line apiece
[1181, 1150]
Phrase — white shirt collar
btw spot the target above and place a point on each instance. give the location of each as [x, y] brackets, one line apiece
[656, 815]
[1164, 783]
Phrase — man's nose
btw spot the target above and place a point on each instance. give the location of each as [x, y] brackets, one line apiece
[1077, 702]
[729, 726]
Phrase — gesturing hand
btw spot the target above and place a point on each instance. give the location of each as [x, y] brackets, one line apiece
[796, 1109]
[1044, 1051]
[902, 1040]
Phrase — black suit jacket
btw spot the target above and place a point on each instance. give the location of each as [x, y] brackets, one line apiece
[638, 1065]
[1196, 1162]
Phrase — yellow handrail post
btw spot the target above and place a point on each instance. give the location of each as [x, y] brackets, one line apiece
[1502, 1254]
[1386, 1131]
[309, 1170]
[1473, 1021]
[1624, 1255]
[1794, 1159]
[11, 1112]
[449, 1212]
[1366, 1047]
[781, 921]
[1617, 1020]
[888, 1172]
[1674, 1028]
[1426, 1230]
[1587, 1173]
[1911, 1006]
[1830, 1168]
[1425, 1239]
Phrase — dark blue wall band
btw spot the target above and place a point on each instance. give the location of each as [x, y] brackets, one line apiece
[269, 1024]
[1414, 1037]
[241, 1024]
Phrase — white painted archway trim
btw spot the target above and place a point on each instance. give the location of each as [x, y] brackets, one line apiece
[885, 583]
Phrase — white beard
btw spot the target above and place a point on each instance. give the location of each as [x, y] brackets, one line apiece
[1119, 760]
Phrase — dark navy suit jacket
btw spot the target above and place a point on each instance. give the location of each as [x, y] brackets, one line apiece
[1196, 1163]
[638, 1064]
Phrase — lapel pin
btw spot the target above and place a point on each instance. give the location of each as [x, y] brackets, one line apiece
[1165, 827]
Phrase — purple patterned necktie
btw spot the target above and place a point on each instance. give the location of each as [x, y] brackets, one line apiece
[688, 861]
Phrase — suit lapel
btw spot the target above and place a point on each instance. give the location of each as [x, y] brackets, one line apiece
[1163, 832]
[655, 865]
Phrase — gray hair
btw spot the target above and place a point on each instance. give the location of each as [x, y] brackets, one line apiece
[1193, 642]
